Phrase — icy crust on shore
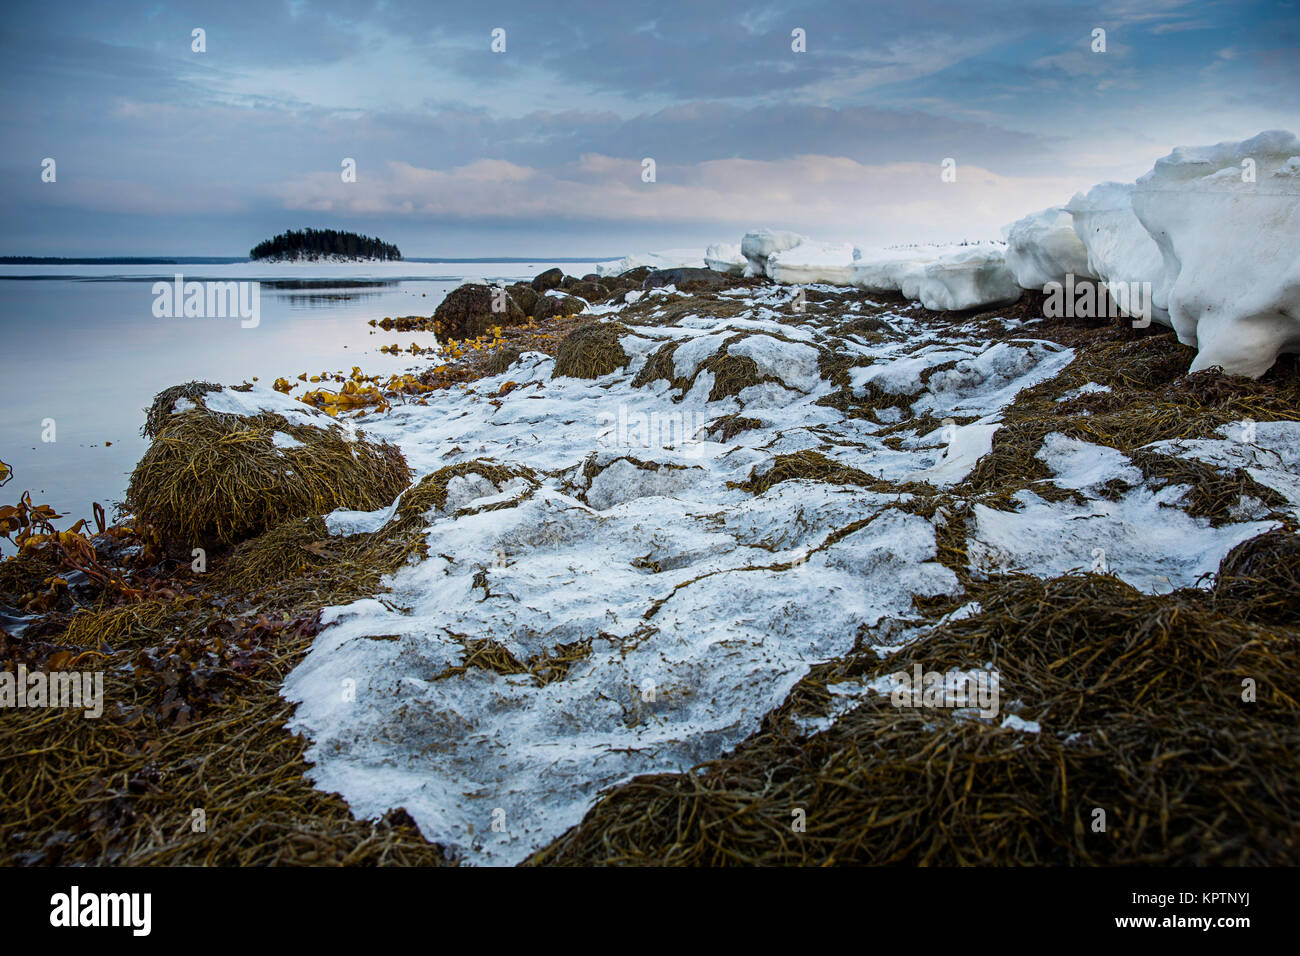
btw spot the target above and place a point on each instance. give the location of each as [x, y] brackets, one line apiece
[1142, 536]
[686, 599]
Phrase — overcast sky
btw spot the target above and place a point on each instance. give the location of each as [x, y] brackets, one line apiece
[461, 151]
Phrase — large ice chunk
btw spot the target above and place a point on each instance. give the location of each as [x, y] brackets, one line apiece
[1120, 250]
[882, 270]
[1043, 247]
[970, 278]
[725, 257]
[1225, 221]
[758, 245]
[944, 277]
[813, 262]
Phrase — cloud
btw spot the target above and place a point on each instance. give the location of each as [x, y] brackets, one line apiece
[555, 129]
[1181, 26]
[834, 196]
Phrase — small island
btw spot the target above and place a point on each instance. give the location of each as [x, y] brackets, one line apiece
[330, 245]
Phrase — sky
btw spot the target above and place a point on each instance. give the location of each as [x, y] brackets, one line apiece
[540, 149]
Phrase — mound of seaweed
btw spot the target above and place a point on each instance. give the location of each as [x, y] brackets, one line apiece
[591, 350]
[215, 476]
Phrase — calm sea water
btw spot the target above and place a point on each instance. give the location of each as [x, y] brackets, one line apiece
[82, 347]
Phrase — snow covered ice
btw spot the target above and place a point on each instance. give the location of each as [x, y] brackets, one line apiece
[637, 535]
[664, 259]
[725, 257]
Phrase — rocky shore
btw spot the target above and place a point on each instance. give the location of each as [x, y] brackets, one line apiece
[628, 570]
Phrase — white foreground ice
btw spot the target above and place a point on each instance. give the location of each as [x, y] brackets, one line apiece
[702, 603]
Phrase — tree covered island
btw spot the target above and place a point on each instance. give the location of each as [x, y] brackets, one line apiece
[313, 244]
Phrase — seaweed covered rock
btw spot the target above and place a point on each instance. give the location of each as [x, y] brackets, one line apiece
[591, 350]
[524, 295]
[226, 465]
[591, 291]
[550, 279]
[474, 309]
[557, 306]
[502, 359]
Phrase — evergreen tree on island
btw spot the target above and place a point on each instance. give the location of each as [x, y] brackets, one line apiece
[324, 244]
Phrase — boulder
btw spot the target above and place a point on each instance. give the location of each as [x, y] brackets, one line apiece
[591, 291]
[556, 306]
[474, 309]
[550, 279]
[688, 280]
[524, 295]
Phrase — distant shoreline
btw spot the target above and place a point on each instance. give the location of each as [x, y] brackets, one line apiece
[231, 260]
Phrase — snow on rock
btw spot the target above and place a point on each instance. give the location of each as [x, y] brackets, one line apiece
[757, 246]
[791, 362]
[1229, 245]
[725, 257]
[813, 262]
[258, 400]
[665, 259]
[1043, 247]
